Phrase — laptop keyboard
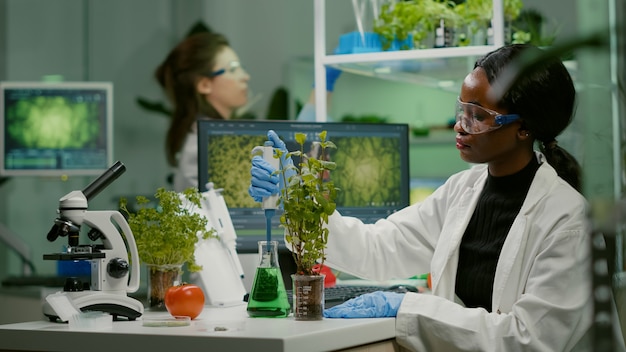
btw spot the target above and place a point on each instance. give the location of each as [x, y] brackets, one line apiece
[338, 294]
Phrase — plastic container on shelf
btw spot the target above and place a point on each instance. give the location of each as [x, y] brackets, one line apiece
[369, 42]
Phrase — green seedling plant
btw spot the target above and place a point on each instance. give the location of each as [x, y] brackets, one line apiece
[417, 18]
[308, 199]
[167, 234]
[476, 14]
[482, 10]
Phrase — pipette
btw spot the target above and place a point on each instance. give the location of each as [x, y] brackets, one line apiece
[268, 297]
[269, 204]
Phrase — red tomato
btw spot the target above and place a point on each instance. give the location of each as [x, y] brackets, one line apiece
[186, 300]
[330, 280]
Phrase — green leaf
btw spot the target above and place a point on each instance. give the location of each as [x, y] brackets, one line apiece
[300, 138]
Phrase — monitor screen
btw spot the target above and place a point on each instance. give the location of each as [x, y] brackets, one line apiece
[55, 129]
[372, 168]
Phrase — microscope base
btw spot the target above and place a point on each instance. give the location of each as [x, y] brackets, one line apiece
[118, 305]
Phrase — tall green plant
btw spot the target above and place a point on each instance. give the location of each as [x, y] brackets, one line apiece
[308, 199]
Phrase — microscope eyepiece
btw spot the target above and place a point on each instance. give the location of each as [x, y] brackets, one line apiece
[104, 180]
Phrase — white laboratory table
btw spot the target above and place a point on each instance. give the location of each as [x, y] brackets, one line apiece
[216, 329]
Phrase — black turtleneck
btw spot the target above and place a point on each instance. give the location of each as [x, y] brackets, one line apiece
[498, 205]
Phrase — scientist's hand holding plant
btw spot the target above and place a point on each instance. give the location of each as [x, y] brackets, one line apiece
[267, 181]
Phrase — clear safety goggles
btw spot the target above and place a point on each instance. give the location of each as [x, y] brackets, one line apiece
[233, 67]
[476, 120]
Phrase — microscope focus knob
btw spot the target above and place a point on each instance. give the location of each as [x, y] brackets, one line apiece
[118, 268]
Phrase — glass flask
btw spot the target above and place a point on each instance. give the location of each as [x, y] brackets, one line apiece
[268, 297]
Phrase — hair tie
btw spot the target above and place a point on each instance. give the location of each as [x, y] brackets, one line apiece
[549, 145]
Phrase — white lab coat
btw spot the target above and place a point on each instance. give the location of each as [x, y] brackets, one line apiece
[542, 289]
[186, 174]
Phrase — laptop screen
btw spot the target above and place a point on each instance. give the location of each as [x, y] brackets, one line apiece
[372, 168]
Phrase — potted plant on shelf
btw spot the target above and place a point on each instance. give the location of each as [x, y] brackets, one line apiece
[476, 17]
[427, 21]
[413, 19]
[166, 237]
[308, 199]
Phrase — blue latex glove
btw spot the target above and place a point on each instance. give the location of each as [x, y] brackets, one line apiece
[331, 75]
[263, 183]
[379, 304]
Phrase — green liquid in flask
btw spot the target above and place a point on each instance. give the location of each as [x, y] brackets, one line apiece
[268, 297]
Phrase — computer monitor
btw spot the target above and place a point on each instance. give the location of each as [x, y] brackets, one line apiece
[56, 129]
[372, 168]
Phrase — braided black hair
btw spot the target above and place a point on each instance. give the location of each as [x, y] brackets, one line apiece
[545, 99]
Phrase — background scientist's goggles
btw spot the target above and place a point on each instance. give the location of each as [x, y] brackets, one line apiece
[476, 120]
[233, 67]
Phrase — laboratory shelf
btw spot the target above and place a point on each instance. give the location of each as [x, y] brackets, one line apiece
[415, 54]
[441, 68]
[446, 73]
[435, 68]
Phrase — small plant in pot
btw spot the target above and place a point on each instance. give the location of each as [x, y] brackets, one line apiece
[166, 237]
[476, 17]
[416, 19]
[308, 199]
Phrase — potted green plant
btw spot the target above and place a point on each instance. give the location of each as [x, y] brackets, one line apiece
[308, 199]
[166, 237]
[416, 19]
[476, 16]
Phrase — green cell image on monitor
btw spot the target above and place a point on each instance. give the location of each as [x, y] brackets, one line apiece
[368, 171]
[229, 167]
[372, 168]
[54, 129]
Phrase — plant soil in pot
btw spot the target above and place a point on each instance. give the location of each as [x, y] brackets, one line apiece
[160, 279]
[308, 297]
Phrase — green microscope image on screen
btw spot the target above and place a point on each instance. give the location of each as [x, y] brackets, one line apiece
[367, 173]
[53, 122]
[229, 167]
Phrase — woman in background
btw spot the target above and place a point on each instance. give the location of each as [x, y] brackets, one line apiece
[202, 77]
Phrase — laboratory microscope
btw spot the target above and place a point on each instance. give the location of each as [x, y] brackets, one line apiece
[110, 265]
